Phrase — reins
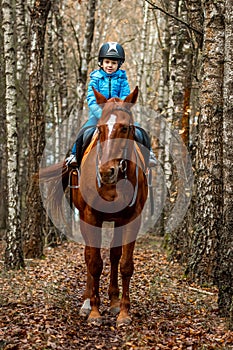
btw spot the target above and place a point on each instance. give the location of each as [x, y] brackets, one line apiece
[98, 177]
[136, 186]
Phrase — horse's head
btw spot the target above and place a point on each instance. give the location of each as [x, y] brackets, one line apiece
[115, 130]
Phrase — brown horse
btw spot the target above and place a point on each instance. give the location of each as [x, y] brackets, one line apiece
[110, 186]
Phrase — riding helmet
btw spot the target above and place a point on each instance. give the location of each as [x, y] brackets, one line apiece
[112, 50]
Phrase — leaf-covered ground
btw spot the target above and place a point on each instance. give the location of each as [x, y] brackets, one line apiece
[40, 306]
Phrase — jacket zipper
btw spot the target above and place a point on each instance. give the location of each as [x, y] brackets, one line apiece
[110, 87]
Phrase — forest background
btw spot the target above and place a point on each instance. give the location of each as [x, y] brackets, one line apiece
[179, 53]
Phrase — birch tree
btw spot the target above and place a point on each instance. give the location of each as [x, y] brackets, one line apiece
[3, 207]
[83, 31]
[189, 108]
[208, 216]
[62, 69]
[224, 275]
[53, 84]
[35, 220]
[176, 73]
[86, 52]
[13, 251]
[22, 93]
[143, 48]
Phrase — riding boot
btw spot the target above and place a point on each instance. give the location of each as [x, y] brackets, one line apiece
[71, 160]
[152, 159]
[74, 159]
[77, 150]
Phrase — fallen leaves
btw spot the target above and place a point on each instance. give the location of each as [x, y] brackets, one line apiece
[40, 306]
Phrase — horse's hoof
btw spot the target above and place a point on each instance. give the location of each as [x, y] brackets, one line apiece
[84, 312]
[114, 310]
[95, 321]
[123, 321]
[86, 308]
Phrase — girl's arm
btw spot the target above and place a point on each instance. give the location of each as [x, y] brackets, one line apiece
[125, 90]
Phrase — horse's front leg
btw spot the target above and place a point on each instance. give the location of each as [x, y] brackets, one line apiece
[126, 268]
[86, 307]
[113, 292]
[92, 236]
[115, 255]
[95, 267]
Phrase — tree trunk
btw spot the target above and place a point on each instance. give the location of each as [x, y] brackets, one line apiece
[101, 27]
[143, 48]
[56, 99]
[188, 82]
[35, 220]
[86, 52]
[224, 275]
[208, 216]
[22, 95]
[13, 252]
[52, 83]
[3, 184]
[63, 94]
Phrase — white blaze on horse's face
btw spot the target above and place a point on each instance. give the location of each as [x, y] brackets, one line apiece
[111, 122]
[108, 168]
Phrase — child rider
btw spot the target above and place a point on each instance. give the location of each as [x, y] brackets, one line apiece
[110, 81]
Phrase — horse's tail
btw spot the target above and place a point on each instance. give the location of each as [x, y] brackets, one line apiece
[54, 180]
[53, 172]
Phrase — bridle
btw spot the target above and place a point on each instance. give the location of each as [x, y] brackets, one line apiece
[123, 162]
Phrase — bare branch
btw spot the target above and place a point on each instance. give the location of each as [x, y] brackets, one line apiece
[155, 7]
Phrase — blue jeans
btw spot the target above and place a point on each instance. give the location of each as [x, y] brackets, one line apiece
[82, 134]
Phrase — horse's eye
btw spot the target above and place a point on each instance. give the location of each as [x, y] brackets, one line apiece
[124, 129]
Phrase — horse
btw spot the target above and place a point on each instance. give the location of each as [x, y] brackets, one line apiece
[110, 186]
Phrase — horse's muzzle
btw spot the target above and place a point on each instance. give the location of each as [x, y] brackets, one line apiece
[108, 173]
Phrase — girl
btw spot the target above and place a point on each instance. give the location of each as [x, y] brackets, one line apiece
[110, 81]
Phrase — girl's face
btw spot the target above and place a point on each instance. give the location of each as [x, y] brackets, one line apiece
[109, 66]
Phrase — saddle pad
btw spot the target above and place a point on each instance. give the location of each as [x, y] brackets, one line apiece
[89, 147]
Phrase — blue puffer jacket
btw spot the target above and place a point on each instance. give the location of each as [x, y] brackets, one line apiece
[109, 85]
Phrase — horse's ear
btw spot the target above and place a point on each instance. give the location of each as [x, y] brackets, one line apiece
[132, 98]
[100, 99]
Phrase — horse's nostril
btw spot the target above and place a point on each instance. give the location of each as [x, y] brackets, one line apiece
[107, 173]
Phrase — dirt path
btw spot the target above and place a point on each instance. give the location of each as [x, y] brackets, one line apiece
[40, 306]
